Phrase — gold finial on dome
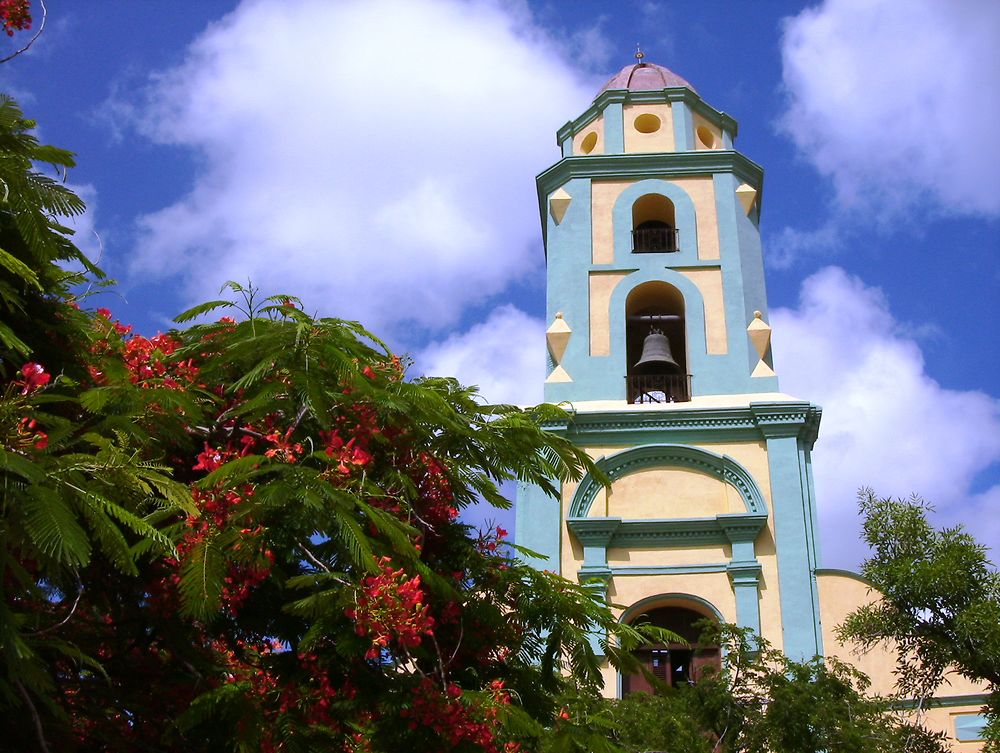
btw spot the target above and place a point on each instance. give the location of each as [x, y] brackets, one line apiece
[639, 54]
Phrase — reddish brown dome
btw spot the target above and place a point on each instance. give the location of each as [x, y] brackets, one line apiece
[645, 77]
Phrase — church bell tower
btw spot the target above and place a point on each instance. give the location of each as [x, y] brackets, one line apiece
[659, 347]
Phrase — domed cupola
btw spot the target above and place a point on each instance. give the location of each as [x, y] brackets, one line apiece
[642, 76]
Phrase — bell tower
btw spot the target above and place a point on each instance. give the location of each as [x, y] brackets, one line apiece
[659, 346]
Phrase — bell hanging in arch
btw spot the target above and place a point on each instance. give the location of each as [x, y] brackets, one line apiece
[656, 356]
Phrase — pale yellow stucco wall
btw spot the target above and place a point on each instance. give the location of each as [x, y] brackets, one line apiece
[701, 189]
[603, 194]
[602, 285]
[661, 140]
[695, 555]
[708, 280]
[671, 493]
[594, 126]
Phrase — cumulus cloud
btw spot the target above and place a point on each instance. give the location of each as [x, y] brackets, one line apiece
[886, 423]
[504, 356]
[899, 105]
[376, 157]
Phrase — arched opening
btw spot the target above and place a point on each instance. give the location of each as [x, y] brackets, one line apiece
[654, 228]
[655, 345]
[674, 664]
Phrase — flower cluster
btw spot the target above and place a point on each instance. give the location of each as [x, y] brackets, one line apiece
[457, 720]
[391, 610]
[147, 359]
[15, 15]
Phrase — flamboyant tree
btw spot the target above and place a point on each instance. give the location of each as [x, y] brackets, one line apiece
[246, 535]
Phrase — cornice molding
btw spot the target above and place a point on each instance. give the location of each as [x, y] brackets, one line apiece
[649, 165]
[626, 96]
[759, 420]
[666, 533]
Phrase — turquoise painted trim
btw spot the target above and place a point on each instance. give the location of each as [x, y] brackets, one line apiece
[685, 219]
[614, 129]
[683, 127]
[812, 506]
[567, 147]
[745, 578]
[636, 459]
[727, 139]
[970, 727]
[537, 526]
[801, 631]
[715, 567]
[649, 165]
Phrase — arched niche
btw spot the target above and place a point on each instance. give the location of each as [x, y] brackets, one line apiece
[687, 299]
[684, 216]
[656, 344]
[654, 225]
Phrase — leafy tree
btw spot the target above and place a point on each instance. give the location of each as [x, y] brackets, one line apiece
[941, 601]
[760, 702]
[245, 535]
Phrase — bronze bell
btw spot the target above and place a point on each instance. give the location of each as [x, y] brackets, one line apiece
[656, 356]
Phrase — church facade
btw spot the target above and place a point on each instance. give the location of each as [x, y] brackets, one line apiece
[659, 347]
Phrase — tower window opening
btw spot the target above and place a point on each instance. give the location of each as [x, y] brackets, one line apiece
[673, 664]
[655, 347]
[654, 230]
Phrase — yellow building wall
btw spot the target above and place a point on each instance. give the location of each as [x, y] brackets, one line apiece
[602, 285]
[706, 135]
[661, 140]
[708, 280]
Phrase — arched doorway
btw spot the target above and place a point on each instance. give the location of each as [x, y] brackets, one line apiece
[674, 664]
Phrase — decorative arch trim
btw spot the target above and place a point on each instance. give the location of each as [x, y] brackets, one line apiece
[661, 599]
[685, 216]
[637, 459]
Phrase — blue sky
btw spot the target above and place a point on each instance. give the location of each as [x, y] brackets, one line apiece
[378, 159]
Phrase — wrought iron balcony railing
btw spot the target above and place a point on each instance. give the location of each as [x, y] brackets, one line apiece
[659, 240]
[658, 388]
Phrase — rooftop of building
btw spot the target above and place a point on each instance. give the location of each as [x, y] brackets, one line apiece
[641, 76]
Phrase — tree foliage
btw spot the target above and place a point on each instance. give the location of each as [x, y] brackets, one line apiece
[941, 601]
[760, 702]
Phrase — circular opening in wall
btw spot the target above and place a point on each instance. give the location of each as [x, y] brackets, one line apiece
[706, 137]
[589, 142]
[647, 123]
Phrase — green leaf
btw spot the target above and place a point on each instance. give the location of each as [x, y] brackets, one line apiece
[53, 528]
[201, 309]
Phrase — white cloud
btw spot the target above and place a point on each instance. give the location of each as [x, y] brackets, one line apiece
[504, 356]
[374, 157]
[899, 103]
[886, 423]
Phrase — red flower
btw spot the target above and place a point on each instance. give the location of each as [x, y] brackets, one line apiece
[33, 377]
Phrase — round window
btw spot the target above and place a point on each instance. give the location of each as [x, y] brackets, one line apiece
[589, 142]
[647, 123]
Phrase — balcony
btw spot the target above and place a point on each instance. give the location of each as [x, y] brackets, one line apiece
[659, 388]
[655, 240]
